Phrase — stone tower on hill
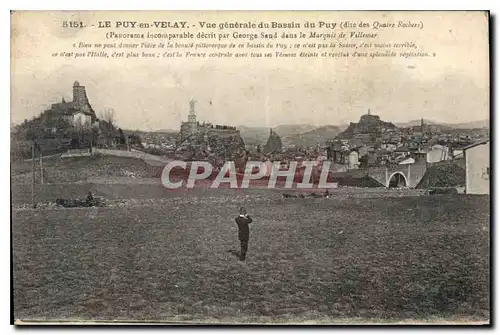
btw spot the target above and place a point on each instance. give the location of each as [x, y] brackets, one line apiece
[79, 94]
[78, 110]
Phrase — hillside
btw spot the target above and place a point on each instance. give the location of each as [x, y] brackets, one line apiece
[165, 131]
[286, 130]
[254, 135]
[413, 123]
[471, 125]
[259, 135]
[457, 130]
[311, 138]
[291, 134]
[446, 126]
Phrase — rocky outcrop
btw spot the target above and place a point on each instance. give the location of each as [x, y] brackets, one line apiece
[212, 147]
[369, 127]
[273, 142]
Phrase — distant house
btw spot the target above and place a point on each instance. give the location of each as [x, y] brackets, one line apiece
[362, 151]
[402, 150]
[388, 146]
[420, 155]
[458, 153]
[82, 119]
[438, 153]
[406, 161]
[477, 168]
[353, 160]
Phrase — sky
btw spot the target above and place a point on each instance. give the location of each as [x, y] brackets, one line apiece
[154, 94]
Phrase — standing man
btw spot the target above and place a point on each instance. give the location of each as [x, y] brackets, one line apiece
[243, 231]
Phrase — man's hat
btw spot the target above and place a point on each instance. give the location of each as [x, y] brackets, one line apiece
[243, 211]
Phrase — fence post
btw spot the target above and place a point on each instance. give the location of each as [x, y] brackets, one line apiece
[33, 174]
[41, 166]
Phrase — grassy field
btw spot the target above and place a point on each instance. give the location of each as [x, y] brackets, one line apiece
[76, 169]
[314, 260]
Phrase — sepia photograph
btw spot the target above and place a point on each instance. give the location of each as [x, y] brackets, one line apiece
[250, 167]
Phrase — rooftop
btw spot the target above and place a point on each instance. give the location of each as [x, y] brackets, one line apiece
[474, 144]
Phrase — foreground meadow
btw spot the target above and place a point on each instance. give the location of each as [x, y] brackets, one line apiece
[309, 260]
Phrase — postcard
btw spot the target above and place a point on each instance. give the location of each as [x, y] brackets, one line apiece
[250, 167]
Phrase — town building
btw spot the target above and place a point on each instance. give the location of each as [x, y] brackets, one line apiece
[420, 155]
[477, 168]
[353, 160]
[338, 152]
[438, 153]
[403, 151]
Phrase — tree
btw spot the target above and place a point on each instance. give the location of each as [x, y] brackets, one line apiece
[108, 115]
[122, 136]
[82, 130]
[63, 126]
[34, 130]
[135, 140]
